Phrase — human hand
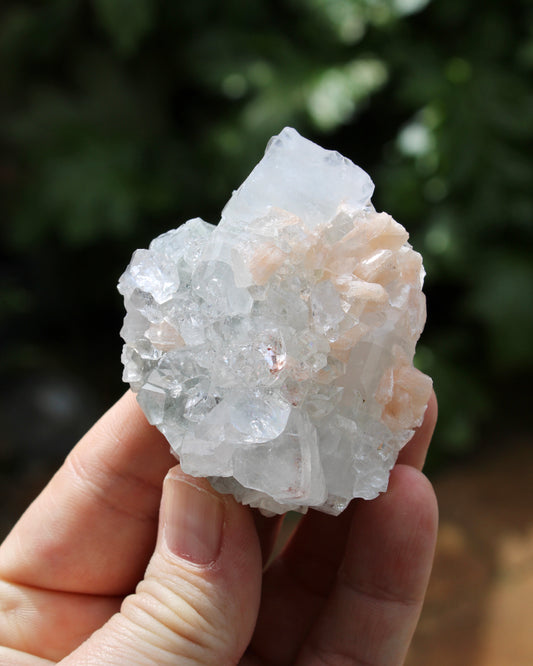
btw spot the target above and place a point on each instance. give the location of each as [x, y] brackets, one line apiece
[81, 583]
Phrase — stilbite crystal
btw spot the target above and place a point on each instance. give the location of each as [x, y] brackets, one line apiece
[275, 350]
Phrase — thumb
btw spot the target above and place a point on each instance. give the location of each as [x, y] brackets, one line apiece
[199, 599]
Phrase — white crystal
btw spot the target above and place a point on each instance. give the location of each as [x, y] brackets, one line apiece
[301, 178]
[275, 350]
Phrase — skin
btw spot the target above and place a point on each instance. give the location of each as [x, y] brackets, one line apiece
[87, 575]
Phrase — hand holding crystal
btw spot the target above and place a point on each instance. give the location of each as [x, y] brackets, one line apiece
[121, 562]
[275, 355]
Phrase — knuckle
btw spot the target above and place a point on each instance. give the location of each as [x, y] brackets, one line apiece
[175, 615]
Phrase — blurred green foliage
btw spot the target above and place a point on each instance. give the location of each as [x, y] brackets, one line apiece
[121, 119]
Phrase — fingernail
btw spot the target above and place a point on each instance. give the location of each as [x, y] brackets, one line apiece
[193, 520]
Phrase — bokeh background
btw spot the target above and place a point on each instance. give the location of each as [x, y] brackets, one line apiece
[121, 119]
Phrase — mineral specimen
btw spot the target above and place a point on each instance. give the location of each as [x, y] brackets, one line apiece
[275, 350]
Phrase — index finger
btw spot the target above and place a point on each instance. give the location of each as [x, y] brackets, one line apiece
[374, 606]
[93, 528]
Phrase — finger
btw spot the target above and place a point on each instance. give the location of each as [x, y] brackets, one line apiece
[199, 599]
[374, 607]
[297, 584]
[49, 624]
[9, 657]
[93, 528]
[415, 451]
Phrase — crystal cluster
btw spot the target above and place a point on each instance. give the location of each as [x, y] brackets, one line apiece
[274, 351]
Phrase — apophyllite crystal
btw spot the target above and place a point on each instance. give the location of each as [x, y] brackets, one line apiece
[275, 350]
